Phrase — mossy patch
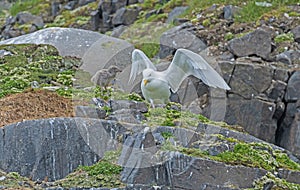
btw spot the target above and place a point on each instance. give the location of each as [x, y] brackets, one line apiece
[105, 173]
[74, 18]
[258, 155]
[36, 7]
[29, 63]
[145, 36]
[285, 37]
[13, 180]
[276, 183]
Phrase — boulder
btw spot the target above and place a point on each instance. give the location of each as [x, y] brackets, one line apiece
[290, 128]
[85, 2]
[276, 91]
[95, 20]
[255, 43]
[296, 33]
[28, 18]
[54, 147]
[230, 11]
[125, 16]
[70, 5]
[55, 8]
[180, 37]
[256, 116]
[68, 41]
[289, 57]
[249, 80]
[177, 11]
[293, 86]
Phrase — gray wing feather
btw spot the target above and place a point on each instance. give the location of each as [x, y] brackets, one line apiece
[185, 63]
[139, 62]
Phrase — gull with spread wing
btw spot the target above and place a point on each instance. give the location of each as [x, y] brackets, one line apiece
[156, 85]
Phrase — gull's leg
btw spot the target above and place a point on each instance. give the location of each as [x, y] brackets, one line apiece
[152, 103]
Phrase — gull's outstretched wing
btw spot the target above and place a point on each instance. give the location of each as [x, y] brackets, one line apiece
[185, 63]
[139, 62]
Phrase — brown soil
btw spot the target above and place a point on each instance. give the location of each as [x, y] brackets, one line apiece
[34, 104]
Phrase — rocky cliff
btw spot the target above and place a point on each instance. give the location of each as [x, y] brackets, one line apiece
[247, 137]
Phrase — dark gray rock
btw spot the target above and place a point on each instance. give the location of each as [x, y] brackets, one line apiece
[180, 37]
[143, 165]
[280, 109]
[28, 18]
[125, 16]
[106, 21]
[106, 6]
[293, 86]
[138, 154]
[55, 8]
[53, 147]
[296, 32]
[95, 20]
[289, 57]
[291, 176]
[90, 112]
[230, 11]
[290, 128]
[177, 11]
[277, 90]
[68, 41]
[256, 116]
[281, 74]
[255, 43]
[117, 31]
[118, 4]
[85, 2]
[227, 68]
[249, 80]
[128, 104]
[71, 5]
[184, 172]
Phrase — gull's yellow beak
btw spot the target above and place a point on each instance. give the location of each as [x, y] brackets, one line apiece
[145, 81]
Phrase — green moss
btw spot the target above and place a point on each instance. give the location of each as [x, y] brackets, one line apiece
[278, 183]
[74, 18]
[252, 155]
[13, 180]
[135, 97]
[167, 135]
[206, 23]
[28, 63]
[258, 155]
[102, 167]
[294, 14]
[167, 116]
[26, 5]
[228, 36]
[286, 37]
[104, 173]
[145, 36]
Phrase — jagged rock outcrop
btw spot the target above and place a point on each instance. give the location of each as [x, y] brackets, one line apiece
[145, 164]
[255, 43]
[49, 148]
[180, 37]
